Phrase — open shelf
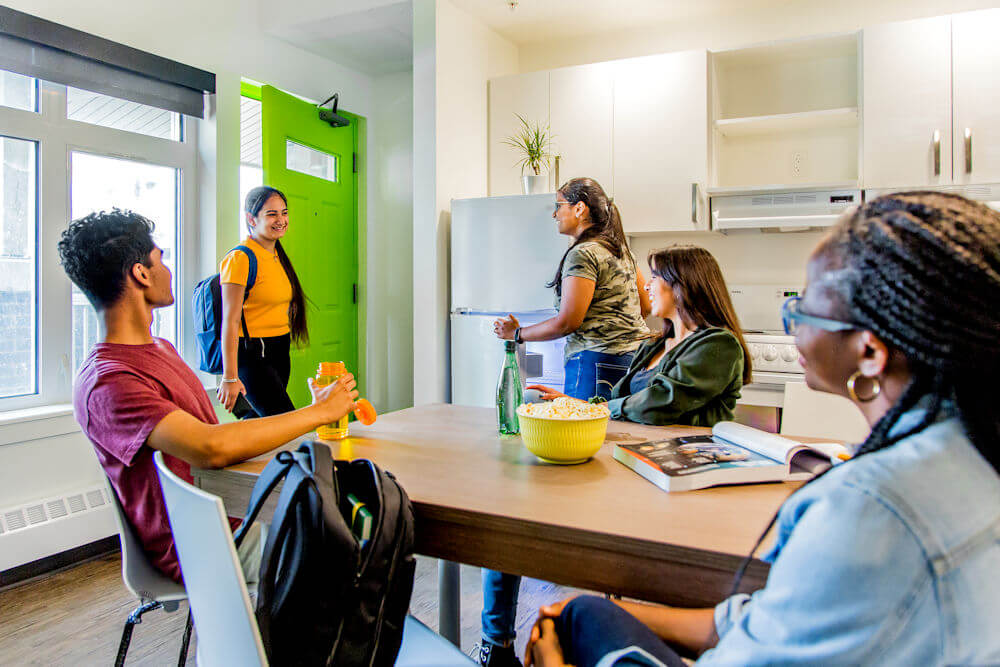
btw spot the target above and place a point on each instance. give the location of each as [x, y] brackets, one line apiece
[787, 122]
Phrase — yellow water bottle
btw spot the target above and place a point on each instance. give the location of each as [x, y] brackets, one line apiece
[327, 373]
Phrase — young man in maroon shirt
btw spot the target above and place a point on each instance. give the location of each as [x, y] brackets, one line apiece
[134, 394]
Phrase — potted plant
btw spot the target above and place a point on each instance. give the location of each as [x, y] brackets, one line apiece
[532, 143]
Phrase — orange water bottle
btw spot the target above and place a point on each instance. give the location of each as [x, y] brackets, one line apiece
[327, 373]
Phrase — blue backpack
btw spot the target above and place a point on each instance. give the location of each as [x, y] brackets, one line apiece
[206, 307]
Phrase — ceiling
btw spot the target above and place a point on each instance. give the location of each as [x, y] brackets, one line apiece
[376, 36]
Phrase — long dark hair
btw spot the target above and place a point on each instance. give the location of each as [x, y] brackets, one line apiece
[700, 291]
[297, 307]
[605, 227]
[921, 270]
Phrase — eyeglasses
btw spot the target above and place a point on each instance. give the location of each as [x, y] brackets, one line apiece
[792, 317]
[560, 203]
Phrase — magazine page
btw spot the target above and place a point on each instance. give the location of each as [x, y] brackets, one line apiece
[768, 444]
[690, 455]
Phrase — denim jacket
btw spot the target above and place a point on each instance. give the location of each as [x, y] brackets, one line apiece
[890, 559]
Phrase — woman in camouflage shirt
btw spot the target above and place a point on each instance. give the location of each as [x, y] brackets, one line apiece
[599, 293]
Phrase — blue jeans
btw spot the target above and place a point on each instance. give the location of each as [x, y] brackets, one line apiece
[499, 606]
[594, 373]
[590, 628]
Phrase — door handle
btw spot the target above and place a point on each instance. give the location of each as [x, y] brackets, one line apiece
[937, 152]
[968, 150]
[694, 203]
[558, 182]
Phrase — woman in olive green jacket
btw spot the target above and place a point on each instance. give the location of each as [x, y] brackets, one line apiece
[693, 372]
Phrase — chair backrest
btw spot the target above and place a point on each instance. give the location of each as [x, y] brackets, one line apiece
[138, 573]
[820, 415]
[227, 629]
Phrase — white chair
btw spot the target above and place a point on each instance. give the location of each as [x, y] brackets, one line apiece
[153, 588]
[820, 415]
[227, 628]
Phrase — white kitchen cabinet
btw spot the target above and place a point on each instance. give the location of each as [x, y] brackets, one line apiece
[976, 97]
[660, 141]
[907, 104]
[581, 108]
[523, 94]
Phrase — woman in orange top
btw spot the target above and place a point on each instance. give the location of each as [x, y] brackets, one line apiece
[258, 365]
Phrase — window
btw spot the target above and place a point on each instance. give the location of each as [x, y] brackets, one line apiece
[18, 92]
[18, 266]
[310, 161]
[87, 107]
[101, 183]
[47, 327]
[251, 154]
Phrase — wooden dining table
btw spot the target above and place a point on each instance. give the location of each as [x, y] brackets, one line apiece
[483, 499]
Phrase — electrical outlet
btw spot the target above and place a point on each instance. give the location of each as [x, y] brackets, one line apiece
[797, 160]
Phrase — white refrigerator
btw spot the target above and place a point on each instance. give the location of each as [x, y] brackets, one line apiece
[503, 252]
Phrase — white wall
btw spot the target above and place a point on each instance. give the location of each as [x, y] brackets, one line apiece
[454, 55]
[389, 383]
[225, 37]
[735, 28]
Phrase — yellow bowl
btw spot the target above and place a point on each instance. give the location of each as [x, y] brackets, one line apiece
[563, 441]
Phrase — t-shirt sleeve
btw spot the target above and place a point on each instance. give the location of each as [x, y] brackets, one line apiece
[581, 262]
[235, 268]
[123, 409]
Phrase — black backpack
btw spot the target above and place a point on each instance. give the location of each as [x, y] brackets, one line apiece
[323, 599]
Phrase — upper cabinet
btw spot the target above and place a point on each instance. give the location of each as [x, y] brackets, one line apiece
[660, 143]
[931, 111]
[523, 94]
[786, 114]
[976, 56]
[907, 103]
[580, 109]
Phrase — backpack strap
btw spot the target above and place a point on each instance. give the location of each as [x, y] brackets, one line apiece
[275, 471]
[251, 281]
[317, 461]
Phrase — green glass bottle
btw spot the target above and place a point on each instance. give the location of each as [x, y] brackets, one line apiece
[510, 394]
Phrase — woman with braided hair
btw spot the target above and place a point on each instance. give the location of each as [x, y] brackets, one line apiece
[892, 557]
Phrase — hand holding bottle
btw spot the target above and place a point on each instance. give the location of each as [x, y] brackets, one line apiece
[504, 327]
[336, 399]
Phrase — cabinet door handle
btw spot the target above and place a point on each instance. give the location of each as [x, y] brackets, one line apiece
[558, 182]
[937, 152]
[968, 150]
[694, 203]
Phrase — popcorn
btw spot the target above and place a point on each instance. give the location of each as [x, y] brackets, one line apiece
[564, 407]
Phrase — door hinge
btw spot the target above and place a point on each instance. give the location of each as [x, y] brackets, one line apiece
[354, 162]
[355, 292]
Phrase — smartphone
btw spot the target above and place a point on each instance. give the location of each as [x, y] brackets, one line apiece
[242, 408]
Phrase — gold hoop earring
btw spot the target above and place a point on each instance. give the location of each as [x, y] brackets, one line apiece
[852, 381]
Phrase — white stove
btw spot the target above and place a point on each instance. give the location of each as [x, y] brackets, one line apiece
[773, 354]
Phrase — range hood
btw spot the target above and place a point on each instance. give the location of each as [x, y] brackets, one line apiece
[780, 209]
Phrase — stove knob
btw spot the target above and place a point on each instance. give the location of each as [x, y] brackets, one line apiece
[754, 350]
[789, 353]
[770, 353]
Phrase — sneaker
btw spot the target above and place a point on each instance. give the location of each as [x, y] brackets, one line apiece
[492, 655]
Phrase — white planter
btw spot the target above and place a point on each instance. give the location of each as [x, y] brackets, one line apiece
[534, 185]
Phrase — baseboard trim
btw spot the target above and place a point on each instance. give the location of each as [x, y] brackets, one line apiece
[22, 574]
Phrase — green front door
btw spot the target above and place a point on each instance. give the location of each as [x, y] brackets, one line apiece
[312, 163]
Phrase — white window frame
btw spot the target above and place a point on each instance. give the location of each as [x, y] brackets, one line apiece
[57, 138]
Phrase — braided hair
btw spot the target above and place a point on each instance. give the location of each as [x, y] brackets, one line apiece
[921, 270]
[605, 227]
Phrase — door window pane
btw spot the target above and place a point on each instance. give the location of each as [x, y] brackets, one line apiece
[101, 183]
[107, 111]
[310, 161]
[18, 224]
[18, 91]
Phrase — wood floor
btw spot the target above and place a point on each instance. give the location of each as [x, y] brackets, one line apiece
[75, 617]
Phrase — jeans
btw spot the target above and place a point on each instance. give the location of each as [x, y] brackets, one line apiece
[594, 373]
[499, 606]
[591, 628]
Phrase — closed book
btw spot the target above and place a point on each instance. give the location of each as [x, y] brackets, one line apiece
[361, 519]
[732, 454]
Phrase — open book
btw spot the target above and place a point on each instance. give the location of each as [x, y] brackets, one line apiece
[733, 454]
